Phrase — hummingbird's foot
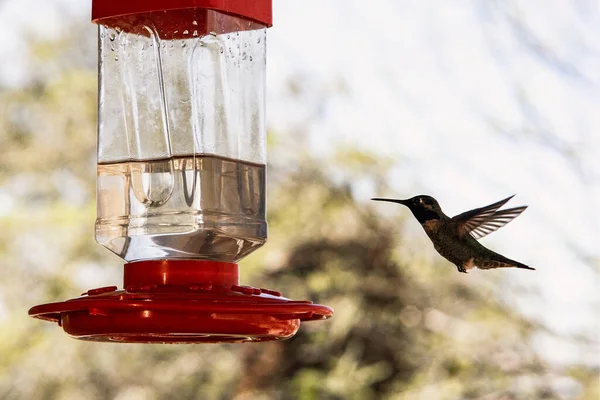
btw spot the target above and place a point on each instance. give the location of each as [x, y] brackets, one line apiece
[461, 269]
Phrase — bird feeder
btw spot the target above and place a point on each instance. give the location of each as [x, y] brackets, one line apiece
[181, 176]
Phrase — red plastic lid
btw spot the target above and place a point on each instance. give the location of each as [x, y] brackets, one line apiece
[257, 10]
[181, 301]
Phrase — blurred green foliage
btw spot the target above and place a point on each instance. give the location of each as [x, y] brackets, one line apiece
[404, 328]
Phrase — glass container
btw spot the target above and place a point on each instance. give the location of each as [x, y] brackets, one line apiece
[181, 135]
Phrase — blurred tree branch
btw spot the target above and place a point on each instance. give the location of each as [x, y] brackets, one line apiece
[536, 125]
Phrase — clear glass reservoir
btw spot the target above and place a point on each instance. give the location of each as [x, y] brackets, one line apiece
[181, 136]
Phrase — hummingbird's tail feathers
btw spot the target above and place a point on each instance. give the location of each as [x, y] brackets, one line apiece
[523, 266]
[500, 262]
[513, 263]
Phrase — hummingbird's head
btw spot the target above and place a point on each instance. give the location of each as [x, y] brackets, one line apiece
[424, 208]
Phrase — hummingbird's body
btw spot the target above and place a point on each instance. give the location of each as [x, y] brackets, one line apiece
[456, 238]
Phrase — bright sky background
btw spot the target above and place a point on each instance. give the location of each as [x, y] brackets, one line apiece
[427, 82]
[436, 86]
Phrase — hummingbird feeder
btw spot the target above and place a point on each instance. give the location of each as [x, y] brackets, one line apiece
[181, 176]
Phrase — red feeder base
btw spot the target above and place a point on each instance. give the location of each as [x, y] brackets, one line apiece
[181, 301]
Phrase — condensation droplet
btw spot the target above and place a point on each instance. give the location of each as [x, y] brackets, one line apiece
[228, 36]
[185, 32]
[195, 33]
[112, 48]
[221, 50]
[118, 29]
[182, 43]
[194, 22]
[112, 37]
[212, 33]
[116, 58]
[250, 58]
[258, 41]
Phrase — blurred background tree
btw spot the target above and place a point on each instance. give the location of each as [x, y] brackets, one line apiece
[407, 325]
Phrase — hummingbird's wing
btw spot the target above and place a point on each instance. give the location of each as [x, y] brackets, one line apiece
[485, 220]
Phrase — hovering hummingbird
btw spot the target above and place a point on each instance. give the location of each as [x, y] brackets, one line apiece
[455, 238]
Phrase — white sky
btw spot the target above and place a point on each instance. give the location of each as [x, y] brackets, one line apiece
[425, 85]
[426, 82]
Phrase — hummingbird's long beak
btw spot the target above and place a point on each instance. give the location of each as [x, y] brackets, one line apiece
[404, 202]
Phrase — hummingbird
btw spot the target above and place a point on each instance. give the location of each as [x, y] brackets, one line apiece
[456, 238]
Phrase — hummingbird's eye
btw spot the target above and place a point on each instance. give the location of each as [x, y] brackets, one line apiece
[429, 202]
